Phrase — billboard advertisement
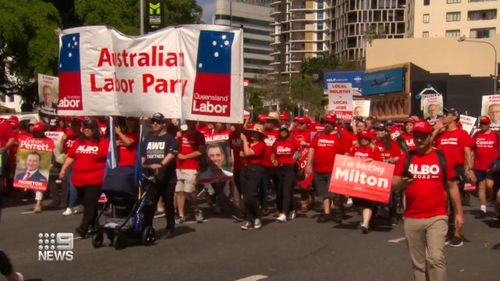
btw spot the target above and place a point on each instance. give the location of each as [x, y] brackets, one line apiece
[381, 82]
[355, 78]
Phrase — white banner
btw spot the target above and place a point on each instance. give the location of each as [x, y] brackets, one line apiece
[490, 106]
[192, 72]
[340, 100]
[361, 108]
[468, 122]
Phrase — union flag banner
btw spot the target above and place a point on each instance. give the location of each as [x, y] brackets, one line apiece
[362, 178]
[192, 72]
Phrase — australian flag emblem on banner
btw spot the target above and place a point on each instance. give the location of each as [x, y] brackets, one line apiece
[212, 85]
[70, 84]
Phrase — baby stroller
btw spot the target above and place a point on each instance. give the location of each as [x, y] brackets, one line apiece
[127, 203]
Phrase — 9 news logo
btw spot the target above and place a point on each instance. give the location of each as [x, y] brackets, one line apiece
[55, 246]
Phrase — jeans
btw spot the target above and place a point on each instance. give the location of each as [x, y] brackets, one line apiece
[251, 182]
[72, 193]
[166, 190]
[269, 180]
[89, 195]
[285, 184]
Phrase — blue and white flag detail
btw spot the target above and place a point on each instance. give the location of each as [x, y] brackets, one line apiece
[138, 162]
[112, 159]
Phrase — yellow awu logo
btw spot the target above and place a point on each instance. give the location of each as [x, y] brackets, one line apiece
[154, 8]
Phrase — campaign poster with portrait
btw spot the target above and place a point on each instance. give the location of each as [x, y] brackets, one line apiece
[361, 108]
[33, 158]
[48, 93]
[490, 106]
[217, 164]
[432, 106]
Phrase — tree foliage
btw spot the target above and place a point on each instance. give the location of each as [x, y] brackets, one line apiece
[306, 94]
[182, 12]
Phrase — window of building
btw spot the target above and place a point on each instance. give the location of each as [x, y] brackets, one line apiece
[425, 34]
[2, 98]
[453, 16]
[427, 2]
[320, 36]
[453, 1]
[483, 15]
[453, 33]
[482, 32]
[427, 18]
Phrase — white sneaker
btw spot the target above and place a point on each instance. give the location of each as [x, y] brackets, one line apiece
[20, 277]
[68, 212]
[292, 215]
[349, 203]
[257, 224]
[281, 218]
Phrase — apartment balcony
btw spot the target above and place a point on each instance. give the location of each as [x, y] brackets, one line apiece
[275, 3]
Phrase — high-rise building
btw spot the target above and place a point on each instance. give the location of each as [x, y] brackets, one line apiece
[452, 18]
[301, 31]
[311, 28]
[254, 17]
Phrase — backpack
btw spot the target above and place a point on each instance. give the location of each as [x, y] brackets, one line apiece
[441, 160]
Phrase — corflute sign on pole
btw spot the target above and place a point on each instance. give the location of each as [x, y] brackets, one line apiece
[191, 72]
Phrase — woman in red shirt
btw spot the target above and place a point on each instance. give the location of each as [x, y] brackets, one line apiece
[126, 140]
[251, 174]
[88, 156]
[366, 149]
[283, 157]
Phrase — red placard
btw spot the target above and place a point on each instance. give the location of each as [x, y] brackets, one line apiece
[362, 178]
[306, 183]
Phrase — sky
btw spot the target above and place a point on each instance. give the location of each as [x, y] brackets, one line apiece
[208, 9]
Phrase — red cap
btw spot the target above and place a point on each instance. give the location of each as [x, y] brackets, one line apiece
[365, 134]
[301, 119]
[409, 120]
[262, 118]
[14, 121]
[485, 120]
[313, 125]
[284, 116]
[423, 127]
[38, 127]
[330, 119]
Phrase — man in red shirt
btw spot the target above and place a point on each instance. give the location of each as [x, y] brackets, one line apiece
[422, 177]
[456, 145]
[485, 152]
[302, 136]
[191, 149]
[324, 147]
[7, 139]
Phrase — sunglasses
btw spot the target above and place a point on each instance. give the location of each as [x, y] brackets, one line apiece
[154, 121]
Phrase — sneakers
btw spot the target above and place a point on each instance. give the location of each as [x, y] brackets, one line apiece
[169, 234]
[199, 216]
[323, 218]
[180, 220]
[247, 226]
[68, 212]
[454, 242]
[481, 215]
[281, 218]
[364, 228]
[257, 224]
[237, 218]
[292, 215]
[338, 216]
[82, 233]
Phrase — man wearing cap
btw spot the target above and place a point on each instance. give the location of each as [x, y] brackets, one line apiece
[191, 148]
[456, 145]
[422, 177]
[324, 147]
[270, 173]
[158, 159]
[6, 141]
[302, 136]
[485, 152]
[284, 119]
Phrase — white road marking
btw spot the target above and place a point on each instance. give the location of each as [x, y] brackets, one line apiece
[27, 212]
[397, 240]
[253, 278]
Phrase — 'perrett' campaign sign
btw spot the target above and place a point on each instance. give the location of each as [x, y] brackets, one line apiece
[362, 178]
[193, 72]
[34, 158]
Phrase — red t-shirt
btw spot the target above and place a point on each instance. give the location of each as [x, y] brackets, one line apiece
[6, 132]
[366, 152]
[259, 148]
[426, 195]
[326, 147]
[387, 154]
[453, 144]
[272, 135]
[284, 150]
[485, 149]
[236, 145]
[302, 138]
[190, 143]
[70, 142]
[409, 141]
[127, 154]
[90, 161]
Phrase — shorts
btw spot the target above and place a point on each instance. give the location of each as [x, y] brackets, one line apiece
[480, 175]
[322, 183]
[186, 181]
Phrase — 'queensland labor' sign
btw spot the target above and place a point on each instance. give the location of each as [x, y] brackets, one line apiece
[34, 158]
[192, 72]
[362, 178]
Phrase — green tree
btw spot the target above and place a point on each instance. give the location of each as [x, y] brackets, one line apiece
[120, 14]
[181, 12]
[28, 44]
[307, 94]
